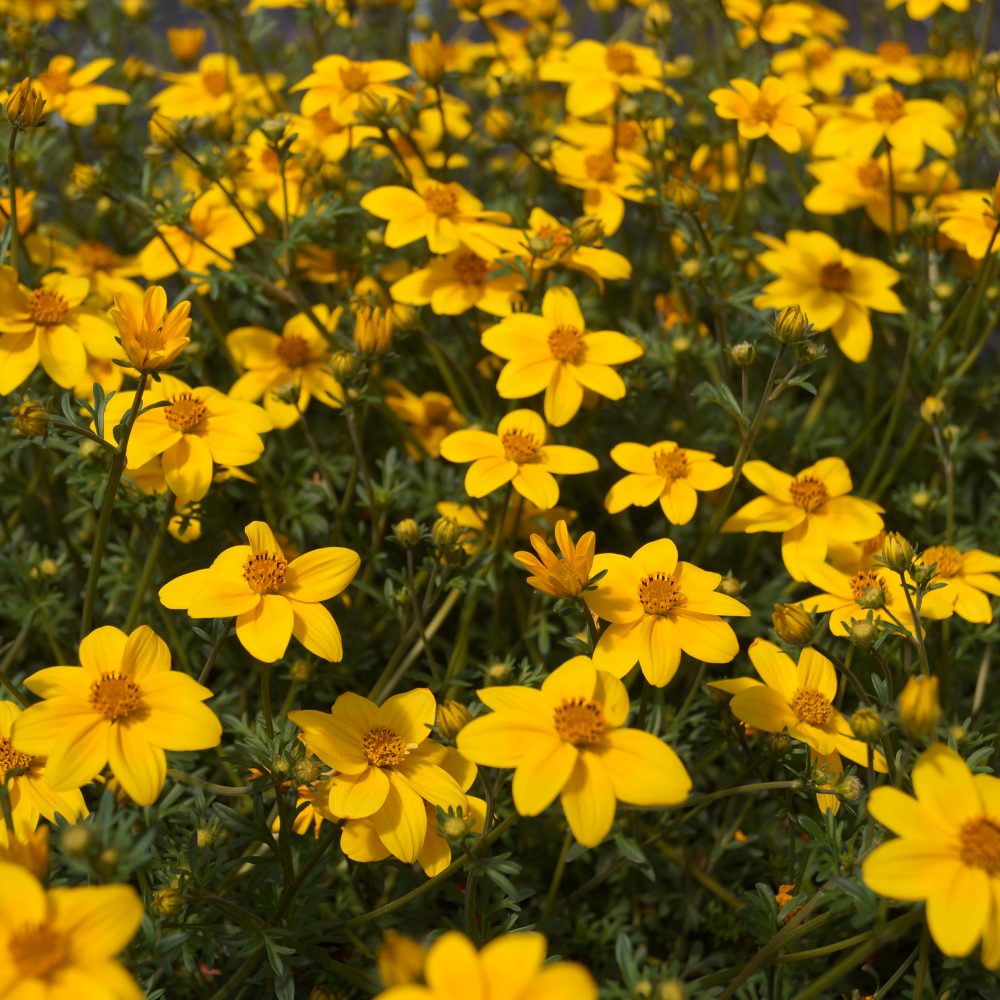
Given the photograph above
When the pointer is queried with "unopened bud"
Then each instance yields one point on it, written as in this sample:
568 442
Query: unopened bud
373 330
690 268
186 43
923 223
850 788
445 533
867 725
791 325
300 671
897 553
76 840
780 744
587 231
863 634
454 827
872 598
428 59
671 990
30 418
24 105
793 624
743 354
656 19
306 771
919 707
164 131
452 718
167 902
343 365
730 586
497 672
684 195
407 532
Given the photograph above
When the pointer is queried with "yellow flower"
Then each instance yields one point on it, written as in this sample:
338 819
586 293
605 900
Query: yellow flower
122 706
774 109
271 598
516 454
339 84
919 706
965 578
297 361
815 65
510 966
777 23
947 851
972 219
659 607
217 87
49 325
386 766
564 577
520 521
23 105
151 336
566 740
72 93
920 10
31 795
893 60
430 417
666 472
555 353
60 944
108 272
809 509
198 427
835 287
399 959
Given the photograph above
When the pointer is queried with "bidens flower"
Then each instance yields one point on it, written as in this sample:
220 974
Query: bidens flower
151 336
271 598
122 706
564 577
774 109
965 579
567 740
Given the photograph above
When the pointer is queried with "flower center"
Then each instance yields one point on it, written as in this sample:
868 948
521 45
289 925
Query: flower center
37 950
980 840
579 721
566 344
383 747
671 464
437 411
659 593
947 558
893 52
47 307
817 54
264 572
441 199
114 696
835 277
889 107
519 446
96 256
11 759
215 82
470 268
293 350
354 77
627 135
812 707
558 241
762 111
870 175
808 493
599 166
185 413
620 59
864 582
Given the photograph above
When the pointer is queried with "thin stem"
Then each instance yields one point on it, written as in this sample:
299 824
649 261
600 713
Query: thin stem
15 236
148 566
557 874
918 983
9 657
265 698
214 652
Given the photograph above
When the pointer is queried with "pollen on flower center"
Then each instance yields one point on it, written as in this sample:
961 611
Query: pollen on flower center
889 107
671 465
812 707
55 81
893 52
947 559
47 307
354 77
808 493
620 59
441 199
579 721
871 175
866 581
96 256
518 446
37 950
659 593
293 350
558 240
835 277
566 344
762 111
185 413
817 55
215 82
599 166
383 747
114 696
980 840
11 759
436 413
470 268
627 135
264 572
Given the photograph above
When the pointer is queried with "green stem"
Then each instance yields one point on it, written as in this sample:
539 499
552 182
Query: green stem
557 874
15 236
265 698
918 983
214 652
9 657
148 566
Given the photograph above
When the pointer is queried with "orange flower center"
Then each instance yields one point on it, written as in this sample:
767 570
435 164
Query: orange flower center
980 839
470 268
215 82
762 111
889 107
96 256
185 413
835 277
627 135
37 950
47 307
436 411
383 747
812 707
817 54
659 593
354 77
871 175
893 52
864 582
579 721
599 166
519 446
11 759
293 350
946 557
671 464
264 572
56 81
566 344
808 493
620 59
441 199
558 240
114 696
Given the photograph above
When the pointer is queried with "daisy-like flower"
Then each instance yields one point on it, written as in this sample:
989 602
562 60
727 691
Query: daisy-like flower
338 84
808 508
516 454
947 851
774 109
198 427
49 325
478 526
151 336
966 578
666 472
430 417
386 766
778 23
508 968
659 607
217 87
554 352
815 65
564 577
122 706
297 360
72 92
835 288
61 944
271 598
566 739
108 272
30 794
920 10
972 219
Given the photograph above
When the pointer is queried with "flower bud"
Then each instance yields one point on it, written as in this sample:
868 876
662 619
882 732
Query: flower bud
399 959
671 990
779 744
849 788
300 671
791 325
872 598
445 533
863 634
923 223
186 43
656 19
168 901
24 105
373 330
730 586
343 365
932 409
793 624
164 131
743 354
76 840
690 268
919 708
685 196
452 718
498 123
587 231
808 351
897 553
867 725
427 59
30 418
454 827
498 672
306 771
407 532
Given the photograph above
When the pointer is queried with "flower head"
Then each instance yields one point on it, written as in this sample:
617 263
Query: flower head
564 577
774 109
965 579
151 336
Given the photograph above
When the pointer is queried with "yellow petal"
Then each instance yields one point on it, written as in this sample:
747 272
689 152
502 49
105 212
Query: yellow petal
588 800
266 629
315 628
542 775
401 823
644 770
320 574
354 796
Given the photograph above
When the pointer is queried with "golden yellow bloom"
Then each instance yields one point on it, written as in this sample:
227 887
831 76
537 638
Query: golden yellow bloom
430 417
893 60
966 579
947 852
271 598
920 10
60 944
972 219
919 706
666 472
186 43
518 454
428 58
23 106
372 330
30 852
774 109
476 527
122 706
777 23
564 577
657 608
815 65
72 93
108 272
152 336
217 87
340 84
